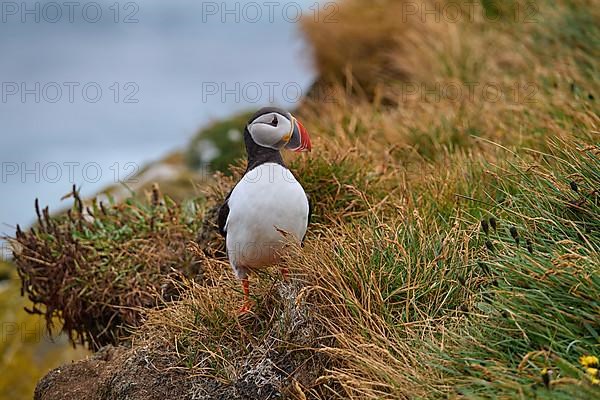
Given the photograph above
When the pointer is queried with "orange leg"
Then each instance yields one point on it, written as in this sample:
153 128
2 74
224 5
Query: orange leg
284 273
246 288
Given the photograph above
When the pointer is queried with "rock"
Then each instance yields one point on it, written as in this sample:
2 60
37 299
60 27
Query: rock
113 373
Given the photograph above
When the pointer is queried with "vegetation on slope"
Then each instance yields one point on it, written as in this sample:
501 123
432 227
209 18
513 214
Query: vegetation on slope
96 267
456 238
216 146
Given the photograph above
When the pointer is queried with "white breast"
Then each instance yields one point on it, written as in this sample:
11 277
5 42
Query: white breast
267 205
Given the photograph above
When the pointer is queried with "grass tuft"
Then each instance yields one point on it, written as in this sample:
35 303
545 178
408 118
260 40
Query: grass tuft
95 267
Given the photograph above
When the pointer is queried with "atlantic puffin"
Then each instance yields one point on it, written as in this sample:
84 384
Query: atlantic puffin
268 207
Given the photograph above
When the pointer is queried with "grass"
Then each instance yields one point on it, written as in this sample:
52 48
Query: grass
95 267
454 249
541 311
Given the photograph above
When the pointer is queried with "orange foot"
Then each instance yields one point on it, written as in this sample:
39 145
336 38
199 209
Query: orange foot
285 272
247 305
245 308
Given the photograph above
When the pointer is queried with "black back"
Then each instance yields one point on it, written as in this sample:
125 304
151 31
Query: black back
223 214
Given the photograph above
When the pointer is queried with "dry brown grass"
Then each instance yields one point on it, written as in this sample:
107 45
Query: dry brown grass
507 76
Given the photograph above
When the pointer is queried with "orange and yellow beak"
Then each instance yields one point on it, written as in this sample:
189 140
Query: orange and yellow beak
299 140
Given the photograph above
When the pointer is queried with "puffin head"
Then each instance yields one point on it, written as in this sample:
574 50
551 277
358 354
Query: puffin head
277 129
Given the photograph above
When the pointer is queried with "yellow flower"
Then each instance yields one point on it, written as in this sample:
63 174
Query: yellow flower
592 371
595 381
589 361
546 376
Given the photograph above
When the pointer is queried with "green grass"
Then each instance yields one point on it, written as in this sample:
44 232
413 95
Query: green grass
544 291
218 134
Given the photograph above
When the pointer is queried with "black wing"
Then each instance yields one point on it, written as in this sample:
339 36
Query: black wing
310 210
222 217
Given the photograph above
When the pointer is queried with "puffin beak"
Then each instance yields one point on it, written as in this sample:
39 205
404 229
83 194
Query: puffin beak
299 141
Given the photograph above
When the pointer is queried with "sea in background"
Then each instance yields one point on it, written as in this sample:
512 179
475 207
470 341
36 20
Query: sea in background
157 66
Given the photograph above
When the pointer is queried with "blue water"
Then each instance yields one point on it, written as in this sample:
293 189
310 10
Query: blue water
156 76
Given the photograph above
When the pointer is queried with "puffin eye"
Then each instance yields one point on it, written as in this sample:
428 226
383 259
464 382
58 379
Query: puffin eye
275 121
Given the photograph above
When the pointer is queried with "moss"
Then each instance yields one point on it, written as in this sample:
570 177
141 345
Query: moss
225 138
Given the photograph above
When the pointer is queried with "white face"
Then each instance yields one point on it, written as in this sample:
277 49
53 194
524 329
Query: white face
271 130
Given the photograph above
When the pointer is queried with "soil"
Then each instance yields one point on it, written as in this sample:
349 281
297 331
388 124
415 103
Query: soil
115 373
119 373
